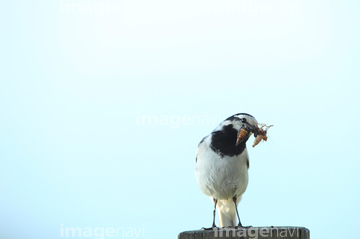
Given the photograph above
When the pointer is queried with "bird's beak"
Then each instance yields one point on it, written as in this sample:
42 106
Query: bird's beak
243 134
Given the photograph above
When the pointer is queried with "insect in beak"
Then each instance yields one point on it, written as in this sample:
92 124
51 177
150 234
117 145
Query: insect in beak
261 134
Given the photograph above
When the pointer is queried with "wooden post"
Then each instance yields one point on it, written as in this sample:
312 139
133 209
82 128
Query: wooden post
249 233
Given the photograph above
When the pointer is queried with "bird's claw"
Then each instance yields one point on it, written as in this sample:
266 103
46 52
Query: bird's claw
209 228
241 226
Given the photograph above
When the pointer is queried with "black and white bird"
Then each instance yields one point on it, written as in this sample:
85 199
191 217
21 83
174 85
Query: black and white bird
222 166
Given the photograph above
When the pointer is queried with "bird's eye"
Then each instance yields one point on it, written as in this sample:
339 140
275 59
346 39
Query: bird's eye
243 120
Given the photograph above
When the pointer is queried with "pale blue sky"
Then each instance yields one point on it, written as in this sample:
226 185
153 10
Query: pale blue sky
77 78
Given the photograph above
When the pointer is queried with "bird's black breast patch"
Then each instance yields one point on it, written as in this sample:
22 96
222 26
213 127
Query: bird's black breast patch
223 142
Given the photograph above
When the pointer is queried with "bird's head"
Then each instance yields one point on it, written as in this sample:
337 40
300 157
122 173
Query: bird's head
244 124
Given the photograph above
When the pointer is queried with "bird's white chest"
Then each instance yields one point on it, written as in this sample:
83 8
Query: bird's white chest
221 177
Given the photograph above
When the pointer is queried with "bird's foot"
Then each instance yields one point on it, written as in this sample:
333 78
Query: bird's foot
241 226
209 228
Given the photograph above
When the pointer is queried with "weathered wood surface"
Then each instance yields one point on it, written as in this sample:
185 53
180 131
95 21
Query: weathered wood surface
249 233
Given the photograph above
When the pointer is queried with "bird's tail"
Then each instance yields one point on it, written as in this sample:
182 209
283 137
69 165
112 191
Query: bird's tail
227 213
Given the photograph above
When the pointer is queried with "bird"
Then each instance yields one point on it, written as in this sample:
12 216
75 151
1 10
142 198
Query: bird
222 164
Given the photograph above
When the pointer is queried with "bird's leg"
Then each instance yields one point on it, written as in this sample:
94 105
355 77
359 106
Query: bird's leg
237 213
215 202
213 225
